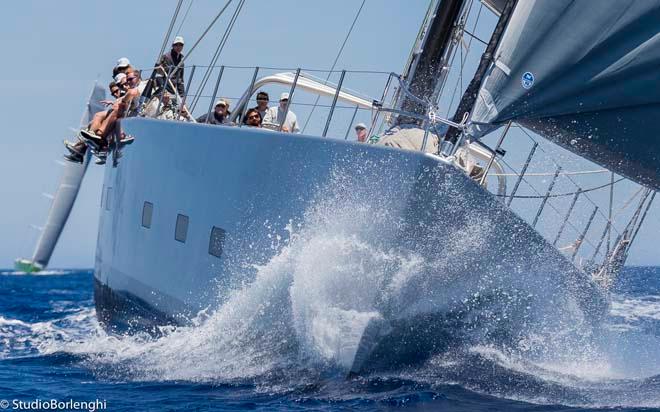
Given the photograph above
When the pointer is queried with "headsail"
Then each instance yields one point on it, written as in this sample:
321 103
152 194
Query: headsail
64 198
584 75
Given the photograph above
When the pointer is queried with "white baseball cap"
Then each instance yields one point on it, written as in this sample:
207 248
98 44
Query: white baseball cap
119 77
177 40
284 96
222 102
123 62
360 126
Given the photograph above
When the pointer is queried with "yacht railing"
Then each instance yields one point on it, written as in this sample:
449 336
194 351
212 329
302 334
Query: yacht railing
566 213
577 234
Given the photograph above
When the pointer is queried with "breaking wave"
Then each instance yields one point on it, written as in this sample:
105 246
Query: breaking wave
296 327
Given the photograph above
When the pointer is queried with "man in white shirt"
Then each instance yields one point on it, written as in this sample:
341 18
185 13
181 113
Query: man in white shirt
275 115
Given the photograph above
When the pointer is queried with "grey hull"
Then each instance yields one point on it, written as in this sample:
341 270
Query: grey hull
474 259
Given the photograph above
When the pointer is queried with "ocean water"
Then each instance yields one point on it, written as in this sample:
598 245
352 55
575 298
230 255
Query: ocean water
52 347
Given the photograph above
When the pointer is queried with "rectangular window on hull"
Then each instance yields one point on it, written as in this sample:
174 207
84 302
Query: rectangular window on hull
108 198
147 213
181 229
217 241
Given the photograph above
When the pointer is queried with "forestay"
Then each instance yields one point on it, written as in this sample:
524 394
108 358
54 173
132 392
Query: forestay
584 74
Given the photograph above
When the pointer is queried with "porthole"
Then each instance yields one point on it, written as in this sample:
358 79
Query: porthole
108 198
147 213
217 241
181 229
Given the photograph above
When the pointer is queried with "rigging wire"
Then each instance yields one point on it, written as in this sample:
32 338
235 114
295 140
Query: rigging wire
563 194
185 15
176 69
467 53
169 30
568 176
568 222
485 43
463 21
341 49
628 203
218 51
584 172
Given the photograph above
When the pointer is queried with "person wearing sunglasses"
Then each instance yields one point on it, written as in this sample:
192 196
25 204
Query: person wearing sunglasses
252 118
122 107
262 103
78 149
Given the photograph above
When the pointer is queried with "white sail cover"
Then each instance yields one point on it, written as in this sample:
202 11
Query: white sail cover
584 74
67 190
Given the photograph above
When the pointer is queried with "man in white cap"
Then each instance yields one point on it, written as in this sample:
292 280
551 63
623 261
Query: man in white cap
122 65
275 115
219 115
169 61
361 132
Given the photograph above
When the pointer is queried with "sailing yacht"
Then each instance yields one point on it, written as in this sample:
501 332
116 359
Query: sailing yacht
190 213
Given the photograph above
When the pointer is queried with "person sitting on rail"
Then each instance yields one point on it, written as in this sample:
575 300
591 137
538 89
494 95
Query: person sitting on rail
120 81
252 118
167 64
125 106
168 110
122 65
262 103
275 116
220 114
163 109
78 149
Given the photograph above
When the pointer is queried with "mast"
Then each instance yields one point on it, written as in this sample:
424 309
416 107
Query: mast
427 65
487 58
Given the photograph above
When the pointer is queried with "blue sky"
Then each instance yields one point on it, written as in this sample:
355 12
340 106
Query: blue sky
54 51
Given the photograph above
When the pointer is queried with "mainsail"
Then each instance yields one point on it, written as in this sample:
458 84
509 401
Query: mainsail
65 196
583 74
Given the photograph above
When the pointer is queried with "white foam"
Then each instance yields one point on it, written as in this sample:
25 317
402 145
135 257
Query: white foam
637 308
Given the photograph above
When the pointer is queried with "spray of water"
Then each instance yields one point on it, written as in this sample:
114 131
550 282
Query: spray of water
305 312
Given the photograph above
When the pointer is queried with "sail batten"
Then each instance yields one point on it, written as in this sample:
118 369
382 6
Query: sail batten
584 75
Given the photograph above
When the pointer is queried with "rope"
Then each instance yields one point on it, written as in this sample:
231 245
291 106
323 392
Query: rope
306 70
566 194
568 222
568 176
218 51
463 21
169 30
176 69
453 95
178 30
586 172
341 49
485 43
628 202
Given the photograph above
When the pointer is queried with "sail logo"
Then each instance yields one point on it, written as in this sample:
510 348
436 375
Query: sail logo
527 80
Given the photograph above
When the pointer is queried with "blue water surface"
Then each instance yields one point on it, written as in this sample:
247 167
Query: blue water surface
51 347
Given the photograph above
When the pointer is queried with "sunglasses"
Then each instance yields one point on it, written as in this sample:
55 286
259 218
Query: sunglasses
261 99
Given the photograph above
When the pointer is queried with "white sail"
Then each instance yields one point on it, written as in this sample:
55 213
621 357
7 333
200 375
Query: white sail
64 197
